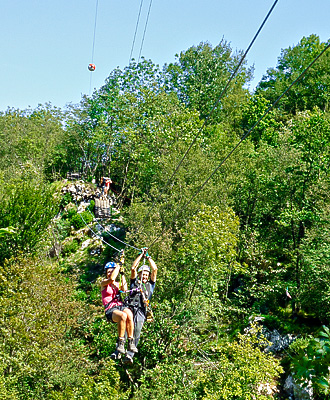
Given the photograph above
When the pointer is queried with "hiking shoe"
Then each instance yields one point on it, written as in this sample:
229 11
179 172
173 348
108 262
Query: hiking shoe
121 345
128 360
131 345
115 355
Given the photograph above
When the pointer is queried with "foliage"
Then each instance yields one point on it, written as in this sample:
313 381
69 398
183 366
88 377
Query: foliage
312 90
231 370
28 205
225 248
63 228
66 199
91 206
38 347
315 277
79 220
265 128
311 363
200 75
70 247
206 256
31 137
7 231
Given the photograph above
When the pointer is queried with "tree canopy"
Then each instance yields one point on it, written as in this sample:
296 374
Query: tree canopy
248 240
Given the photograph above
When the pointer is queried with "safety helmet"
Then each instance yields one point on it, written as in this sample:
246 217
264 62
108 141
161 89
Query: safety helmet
110 264
91 67
144 268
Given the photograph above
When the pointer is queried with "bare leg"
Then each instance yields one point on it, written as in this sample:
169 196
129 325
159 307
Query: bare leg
120 318
129 322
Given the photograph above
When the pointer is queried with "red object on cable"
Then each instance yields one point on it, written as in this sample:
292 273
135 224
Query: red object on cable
91 67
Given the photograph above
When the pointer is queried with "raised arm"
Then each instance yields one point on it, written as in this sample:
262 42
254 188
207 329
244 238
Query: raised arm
136 264
112 277
123 282
153 269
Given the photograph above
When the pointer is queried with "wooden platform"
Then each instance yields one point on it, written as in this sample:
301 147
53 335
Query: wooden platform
102 208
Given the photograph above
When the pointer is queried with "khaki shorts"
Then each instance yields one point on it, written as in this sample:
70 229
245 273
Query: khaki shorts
109 311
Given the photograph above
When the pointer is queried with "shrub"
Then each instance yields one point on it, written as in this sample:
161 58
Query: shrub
79 220
91 206
63 227
311 362
66 199
70 247
233 370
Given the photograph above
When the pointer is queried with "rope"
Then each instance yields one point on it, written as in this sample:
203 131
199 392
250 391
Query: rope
97 3
136 28
90 81
95 234
114 237
208 116
241 140
145 28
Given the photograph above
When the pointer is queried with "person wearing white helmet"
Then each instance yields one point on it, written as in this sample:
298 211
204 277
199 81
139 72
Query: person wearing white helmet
141 288
115 310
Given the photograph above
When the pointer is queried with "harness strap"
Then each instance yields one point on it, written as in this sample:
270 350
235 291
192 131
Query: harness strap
117 297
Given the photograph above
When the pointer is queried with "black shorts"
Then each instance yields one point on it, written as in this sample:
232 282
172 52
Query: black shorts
109 311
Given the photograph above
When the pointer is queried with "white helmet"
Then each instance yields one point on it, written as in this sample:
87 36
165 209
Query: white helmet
144 267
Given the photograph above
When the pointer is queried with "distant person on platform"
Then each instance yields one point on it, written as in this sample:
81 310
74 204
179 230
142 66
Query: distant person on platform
107 184
115 310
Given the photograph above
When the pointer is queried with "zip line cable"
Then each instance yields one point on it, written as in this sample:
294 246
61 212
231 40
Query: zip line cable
93 47
95 234
145 29
242 139
136 28
208 116
113 236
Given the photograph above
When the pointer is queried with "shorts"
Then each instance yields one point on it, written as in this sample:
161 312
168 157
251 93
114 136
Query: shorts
109 311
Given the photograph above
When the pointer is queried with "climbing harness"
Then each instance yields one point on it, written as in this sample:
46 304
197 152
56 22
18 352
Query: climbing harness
137 298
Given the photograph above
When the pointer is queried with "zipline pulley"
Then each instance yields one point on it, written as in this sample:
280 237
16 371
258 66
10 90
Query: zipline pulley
91 67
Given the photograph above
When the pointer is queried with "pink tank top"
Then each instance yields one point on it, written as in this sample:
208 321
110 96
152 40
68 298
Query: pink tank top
109 294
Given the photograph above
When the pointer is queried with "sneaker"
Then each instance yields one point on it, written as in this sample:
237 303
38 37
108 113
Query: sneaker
131 345
115 355
128 360
121 345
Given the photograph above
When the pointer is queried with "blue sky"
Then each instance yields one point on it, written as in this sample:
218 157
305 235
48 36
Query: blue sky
46 45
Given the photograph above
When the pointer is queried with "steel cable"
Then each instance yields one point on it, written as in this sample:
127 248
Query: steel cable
241 140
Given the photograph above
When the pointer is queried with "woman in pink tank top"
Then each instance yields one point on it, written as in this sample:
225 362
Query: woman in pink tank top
115 310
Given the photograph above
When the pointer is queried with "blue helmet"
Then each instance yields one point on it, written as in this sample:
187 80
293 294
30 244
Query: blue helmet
110 264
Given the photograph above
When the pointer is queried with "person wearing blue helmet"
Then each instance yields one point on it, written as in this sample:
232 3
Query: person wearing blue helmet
115 310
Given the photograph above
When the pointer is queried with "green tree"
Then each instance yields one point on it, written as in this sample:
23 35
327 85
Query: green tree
31 136
125 131
206 256
201 73
267 128
312 90
315 272
279 199
28 205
